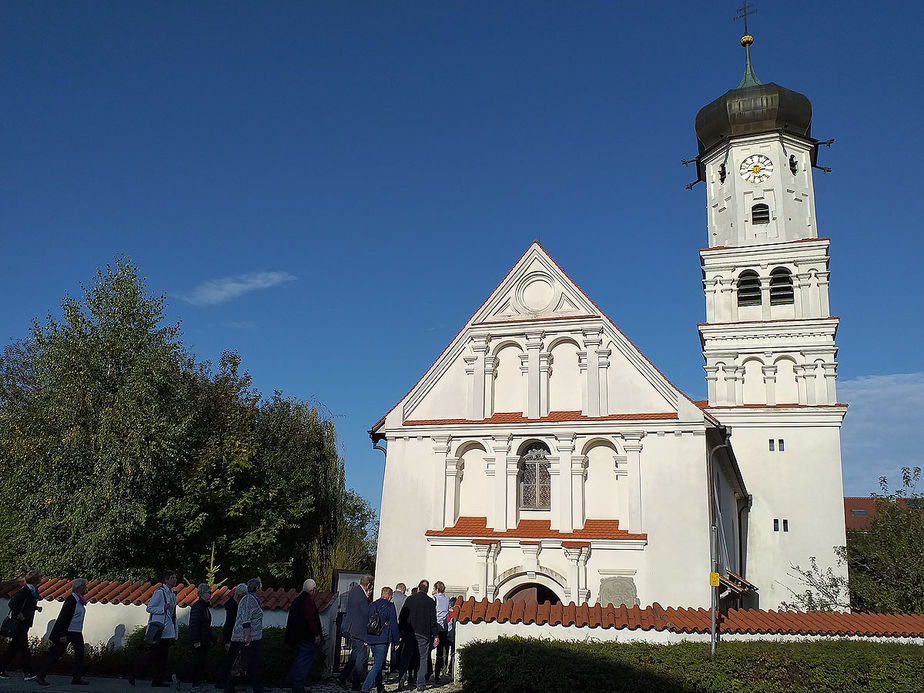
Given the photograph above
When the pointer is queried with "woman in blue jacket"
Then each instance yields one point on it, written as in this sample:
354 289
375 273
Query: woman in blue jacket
387 635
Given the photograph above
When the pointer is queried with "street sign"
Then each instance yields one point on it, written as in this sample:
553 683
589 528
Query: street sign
713 579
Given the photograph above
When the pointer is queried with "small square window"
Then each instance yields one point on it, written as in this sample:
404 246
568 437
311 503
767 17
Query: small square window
771 444
785 525
776 525
779 445
862 513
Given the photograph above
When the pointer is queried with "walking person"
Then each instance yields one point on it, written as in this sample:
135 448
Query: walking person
421 618
23 606
226 631
162 615
442 620
354 627
398 598
200 633
303 632
68 630
382 613
247 636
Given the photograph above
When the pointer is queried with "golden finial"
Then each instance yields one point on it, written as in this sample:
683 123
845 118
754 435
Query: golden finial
747 40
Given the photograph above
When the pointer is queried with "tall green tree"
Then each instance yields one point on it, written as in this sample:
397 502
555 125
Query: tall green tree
120 455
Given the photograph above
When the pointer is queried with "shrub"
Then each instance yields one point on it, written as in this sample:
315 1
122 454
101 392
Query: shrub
525 665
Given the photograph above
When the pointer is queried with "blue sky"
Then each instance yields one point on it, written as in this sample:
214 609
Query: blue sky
332 188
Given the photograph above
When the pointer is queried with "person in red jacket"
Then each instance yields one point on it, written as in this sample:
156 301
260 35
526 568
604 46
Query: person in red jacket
303 632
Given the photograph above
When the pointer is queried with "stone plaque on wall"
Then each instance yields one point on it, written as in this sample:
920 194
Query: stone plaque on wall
618 591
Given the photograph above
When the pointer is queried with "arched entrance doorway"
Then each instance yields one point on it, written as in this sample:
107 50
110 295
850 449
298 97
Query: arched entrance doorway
532 592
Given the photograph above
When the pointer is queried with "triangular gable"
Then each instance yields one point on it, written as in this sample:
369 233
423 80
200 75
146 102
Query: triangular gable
535 289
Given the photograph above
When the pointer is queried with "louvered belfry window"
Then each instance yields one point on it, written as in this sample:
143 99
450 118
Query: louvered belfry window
535 487
781 291
749 289
760 214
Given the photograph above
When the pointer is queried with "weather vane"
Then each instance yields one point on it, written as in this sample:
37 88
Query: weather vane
743 12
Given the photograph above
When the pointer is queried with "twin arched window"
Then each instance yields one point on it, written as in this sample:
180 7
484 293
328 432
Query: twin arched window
781 288
534 483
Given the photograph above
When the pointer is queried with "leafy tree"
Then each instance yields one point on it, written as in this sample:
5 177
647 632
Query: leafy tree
356 541
885 561
120 455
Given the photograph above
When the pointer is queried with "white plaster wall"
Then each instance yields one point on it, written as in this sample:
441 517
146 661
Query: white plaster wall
602 498
109 624
473 489
675 570
801 484
565 391
628 391
509 383
448 396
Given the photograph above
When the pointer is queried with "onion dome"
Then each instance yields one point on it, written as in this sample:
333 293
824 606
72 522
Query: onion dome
752 107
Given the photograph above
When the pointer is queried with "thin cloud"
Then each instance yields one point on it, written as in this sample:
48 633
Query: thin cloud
882 431
217 291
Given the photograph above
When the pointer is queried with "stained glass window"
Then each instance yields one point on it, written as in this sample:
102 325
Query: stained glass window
535 483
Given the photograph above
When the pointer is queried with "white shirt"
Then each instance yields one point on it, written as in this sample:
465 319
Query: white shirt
80 610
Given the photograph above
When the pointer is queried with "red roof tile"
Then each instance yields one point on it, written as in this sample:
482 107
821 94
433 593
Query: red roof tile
681 620
477 528
137 593
517 417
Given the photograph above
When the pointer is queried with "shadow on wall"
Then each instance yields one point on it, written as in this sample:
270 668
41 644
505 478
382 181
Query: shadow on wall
117 639
527 665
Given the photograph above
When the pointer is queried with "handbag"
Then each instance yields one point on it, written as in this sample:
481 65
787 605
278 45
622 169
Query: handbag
239 667
375 625
153 632
8 627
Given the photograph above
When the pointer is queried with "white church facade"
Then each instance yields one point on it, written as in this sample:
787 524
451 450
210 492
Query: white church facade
543 456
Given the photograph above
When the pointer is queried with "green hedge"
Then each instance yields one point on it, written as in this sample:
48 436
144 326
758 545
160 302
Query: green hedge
277 657
526 665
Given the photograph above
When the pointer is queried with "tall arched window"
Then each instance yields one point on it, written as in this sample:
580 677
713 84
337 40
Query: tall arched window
781 291
534 483
749 289
760 214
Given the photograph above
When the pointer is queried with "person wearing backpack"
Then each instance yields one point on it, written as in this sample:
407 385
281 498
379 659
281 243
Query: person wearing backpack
381 631
23 606
303 633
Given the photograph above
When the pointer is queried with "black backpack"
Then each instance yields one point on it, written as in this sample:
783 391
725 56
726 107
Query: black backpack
374 625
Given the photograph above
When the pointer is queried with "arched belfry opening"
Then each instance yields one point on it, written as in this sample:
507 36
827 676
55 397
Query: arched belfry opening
532 592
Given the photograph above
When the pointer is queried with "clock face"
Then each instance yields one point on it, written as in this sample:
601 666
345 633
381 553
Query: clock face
756 168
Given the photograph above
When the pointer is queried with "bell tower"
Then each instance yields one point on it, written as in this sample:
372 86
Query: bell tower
769 336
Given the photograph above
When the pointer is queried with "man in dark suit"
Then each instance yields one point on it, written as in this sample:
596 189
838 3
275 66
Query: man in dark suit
354 627
303 634
68 630
419 613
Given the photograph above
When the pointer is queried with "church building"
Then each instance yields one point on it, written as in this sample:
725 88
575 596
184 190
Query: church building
543 456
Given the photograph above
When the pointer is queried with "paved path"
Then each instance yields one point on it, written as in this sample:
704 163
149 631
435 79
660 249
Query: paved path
62 684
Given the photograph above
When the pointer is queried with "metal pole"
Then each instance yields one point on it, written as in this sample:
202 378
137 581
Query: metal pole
713 590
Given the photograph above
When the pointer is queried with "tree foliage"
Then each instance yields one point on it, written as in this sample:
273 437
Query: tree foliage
885 561
120 455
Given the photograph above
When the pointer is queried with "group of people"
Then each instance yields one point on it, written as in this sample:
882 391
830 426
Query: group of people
241 634
408 626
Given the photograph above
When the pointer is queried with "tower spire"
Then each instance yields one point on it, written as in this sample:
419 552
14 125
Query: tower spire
749 79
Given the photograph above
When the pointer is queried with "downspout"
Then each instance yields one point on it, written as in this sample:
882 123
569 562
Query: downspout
713 557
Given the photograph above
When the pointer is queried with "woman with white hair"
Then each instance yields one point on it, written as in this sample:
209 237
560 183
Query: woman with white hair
68 630
246 636
161 631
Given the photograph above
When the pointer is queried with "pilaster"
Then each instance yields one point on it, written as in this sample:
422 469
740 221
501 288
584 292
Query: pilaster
633 448
479 350
533 348
592 341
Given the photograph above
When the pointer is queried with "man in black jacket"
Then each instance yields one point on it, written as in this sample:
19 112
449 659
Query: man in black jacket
200 633
23 606
303 633
68 629
419 615
226 630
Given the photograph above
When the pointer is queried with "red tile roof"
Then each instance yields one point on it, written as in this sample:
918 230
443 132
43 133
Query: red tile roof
517 417
866 508
656 617
137 593
477 528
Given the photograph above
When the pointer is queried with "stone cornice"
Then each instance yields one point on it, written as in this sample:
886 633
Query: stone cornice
759 416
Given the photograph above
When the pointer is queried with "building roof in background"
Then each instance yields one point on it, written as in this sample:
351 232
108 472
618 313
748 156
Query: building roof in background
858 512
137 593
681 620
